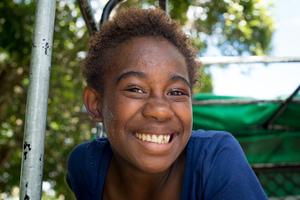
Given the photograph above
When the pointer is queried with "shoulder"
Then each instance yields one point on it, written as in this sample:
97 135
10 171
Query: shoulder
84 163
211 149
210 140
217 155
86 149
211 134
207 147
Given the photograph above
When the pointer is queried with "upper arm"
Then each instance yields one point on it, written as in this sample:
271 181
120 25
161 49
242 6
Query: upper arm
227 172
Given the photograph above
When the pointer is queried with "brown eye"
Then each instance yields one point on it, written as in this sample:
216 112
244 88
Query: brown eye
176 93
135 90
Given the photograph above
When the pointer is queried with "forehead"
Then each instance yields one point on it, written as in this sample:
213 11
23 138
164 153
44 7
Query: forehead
145 53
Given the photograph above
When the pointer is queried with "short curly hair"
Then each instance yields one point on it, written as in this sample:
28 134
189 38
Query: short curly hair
128 24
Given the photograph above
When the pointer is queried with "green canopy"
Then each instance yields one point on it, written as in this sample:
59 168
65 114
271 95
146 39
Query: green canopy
245 117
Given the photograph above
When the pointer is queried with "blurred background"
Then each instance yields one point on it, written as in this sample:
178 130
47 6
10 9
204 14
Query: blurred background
266 81
217 28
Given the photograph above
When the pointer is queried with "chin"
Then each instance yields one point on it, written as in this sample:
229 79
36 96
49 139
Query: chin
154 167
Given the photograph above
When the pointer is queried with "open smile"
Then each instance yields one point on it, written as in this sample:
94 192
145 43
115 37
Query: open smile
158 139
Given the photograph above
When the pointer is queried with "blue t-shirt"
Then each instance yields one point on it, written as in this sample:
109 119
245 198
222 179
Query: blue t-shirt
216 168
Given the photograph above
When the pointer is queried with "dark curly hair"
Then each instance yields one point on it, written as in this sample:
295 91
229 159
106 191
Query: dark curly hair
131 23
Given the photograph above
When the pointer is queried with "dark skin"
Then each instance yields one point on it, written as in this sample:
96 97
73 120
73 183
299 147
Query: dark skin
164 185
147 94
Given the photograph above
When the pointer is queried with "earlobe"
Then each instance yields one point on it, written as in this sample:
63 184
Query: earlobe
91 100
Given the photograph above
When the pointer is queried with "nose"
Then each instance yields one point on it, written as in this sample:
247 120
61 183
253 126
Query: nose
157 109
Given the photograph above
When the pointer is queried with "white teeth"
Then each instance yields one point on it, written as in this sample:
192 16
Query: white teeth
144 137
158 139
148 138
154 138
168 138
165 138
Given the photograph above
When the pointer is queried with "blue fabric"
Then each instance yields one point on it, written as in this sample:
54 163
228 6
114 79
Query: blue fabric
216 168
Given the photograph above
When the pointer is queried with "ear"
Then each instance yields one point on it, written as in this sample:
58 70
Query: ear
91 100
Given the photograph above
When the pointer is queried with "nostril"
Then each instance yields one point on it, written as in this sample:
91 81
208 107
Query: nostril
160 111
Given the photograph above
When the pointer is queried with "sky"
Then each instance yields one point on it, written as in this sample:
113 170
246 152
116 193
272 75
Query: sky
270 81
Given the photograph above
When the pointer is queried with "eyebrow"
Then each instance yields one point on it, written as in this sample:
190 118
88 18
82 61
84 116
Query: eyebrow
143 75
177 77
131 73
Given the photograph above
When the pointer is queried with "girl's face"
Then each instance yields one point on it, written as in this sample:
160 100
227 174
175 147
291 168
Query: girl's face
146 105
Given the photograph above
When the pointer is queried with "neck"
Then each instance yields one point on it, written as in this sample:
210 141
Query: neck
132 183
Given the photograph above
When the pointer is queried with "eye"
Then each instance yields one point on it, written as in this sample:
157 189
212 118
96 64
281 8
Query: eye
135 90
176 93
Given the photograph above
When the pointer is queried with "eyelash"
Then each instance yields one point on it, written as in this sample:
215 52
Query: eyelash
176 93
138 90
135 90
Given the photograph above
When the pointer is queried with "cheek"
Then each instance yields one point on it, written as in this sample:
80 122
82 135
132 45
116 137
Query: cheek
109 121
191 116
109 115
116 114
185 114
110 126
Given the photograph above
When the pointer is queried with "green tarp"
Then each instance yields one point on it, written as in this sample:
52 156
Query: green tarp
280 144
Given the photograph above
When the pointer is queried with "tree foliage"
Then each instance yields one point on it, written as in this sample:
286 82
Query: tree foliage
237 27
64 104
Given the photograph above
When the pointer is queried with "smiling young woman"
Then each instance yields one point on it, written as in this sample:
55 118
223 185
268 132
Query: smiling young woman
140 72
142 99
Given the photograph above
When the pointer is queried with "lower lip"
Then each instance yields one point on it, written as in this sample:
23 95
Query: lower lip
157 148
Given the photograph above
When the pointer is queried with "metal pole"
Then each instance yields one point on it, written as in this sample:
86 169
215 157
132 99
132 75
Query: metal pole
281 108
238 101
37 102
163 4
250 59
88 16
107 9
100 130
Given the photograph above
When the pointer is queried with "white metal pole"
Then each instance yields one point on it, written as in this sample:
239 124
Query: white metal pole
250 59
37 102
